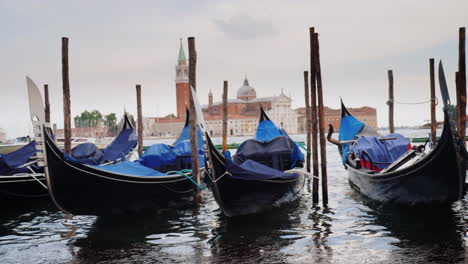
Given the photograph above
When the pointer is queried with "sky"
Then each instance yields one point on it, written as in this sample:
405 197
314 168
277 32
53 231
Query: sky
115 45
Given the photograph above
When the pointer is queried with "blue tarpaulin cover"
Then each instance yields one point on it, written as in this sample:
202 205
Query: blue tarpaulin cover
267 130
265 152
381 151
10 161
158 155
87 153
129 168
252 170
349 128
122 144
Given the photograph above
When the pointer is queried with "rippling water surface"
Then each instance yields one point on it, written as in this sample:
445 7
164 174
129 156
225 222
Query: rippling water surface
351 229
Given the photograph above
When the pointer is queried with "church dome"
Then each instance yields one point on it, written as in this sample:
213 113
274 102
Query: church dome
246 91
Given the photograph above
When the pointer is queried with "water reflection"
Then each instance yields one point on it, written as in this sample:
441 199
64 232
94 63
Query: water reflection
422 234
254 238
351 230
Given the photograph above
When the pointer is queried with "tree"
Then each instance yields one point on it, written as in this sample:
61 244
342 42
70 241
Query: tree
88 119
110 121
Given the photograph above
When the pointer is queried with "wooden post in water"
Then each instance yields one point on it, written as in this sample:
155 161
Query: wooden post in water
46 103
433 103
225 115
461 86
321 124
140 120
313 112
193 115
66 98
390 101
308 118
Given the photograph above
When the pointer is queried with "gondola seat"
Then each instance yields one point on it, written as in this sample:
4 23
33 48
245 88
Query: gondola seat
376 154
88 153
278 153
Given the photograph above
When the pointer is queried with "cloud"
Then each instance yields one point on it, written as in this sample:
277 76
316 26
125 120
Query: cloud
244 26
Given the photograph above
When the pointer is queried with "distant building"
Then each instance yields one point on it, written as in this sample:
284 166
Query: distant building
367 115
243 111
2 135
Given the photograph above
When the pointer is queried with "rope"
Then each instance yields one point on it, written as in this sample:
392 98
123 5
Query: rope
225 173
415 103
185 173
301 145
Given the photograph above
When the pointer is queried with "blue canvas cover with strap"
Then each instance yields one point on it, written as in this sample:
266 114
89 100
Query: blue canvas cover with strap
10 162
349 128
382 152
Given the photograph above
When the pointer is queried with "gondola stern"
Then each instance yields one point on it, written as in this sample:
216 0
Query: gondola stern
263 115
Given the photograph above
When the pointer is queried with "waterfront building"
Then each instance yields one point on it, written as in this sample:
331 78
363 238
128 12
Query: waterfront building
2 135
367 115
243 110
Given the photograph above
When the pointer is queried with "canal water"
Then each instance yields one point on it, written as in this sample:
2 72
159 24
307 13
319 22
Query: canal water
351 229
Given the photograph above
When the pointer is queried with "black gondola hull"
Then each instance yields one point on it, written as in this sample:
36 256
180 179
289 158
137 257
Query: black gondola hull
438 178
24 187
84 190
242 197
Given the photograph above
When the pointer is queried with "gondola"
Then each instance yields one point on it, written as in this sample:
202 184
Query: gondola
266 171
124 187
414 179
22 177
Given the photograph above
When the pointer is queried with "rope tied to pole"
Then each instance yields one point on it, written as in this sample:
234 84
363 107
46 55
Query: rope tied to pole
185 173
301 145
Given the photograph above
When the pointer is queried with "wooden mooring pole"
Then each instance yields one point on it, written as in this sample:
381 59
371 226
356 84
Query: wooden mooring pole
225 114
321 124
390 102
193 115
307 119
461 85
140 120
433 103
313 112
66 98
46 103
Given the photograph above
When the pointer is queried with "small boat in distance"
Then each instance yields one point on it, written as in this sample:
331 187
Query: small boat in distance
266 171
411 178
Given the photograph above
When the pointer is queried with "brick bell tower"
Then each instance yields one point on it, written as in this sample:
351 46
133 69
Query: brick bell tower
182 83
